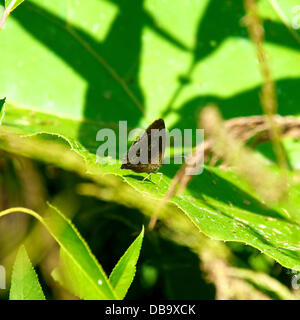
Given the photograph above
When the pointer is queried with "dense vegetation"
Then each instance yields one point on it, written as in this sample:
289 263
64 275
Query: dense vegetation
71 67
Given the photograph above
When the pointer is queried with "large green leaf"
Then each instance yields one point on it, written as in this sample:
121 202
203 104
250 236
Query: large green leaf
24 282
72 68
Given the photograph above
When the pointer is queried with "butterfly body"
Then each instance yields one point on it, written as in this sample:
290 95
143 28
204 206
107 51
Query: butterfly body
148 168
152 144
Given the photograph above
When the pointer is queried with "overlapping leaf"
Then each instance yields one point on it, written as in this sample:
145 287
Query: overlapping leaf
116 61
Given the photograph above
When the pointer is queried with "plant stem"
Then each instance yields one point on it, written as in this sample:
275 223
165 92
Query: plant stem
23 210
6 13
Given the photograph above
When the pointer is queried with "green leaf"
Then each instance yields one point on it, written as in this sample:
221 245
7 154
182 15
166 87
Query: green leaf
124 271
16 3
76 253
24 282
71 277
168 68
90 281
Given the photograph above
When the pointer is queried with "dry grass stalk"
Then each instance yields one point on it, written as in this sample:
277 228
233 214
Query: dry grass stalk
268 93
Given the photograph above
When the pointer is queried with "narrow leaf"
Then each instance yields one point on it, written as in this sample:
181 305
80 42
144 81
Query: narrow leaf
78 255
24 284
124 271
79 270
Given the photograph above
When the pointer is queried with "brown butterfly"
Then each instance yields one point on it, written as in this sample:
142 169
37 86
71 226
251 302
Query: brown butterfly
146 154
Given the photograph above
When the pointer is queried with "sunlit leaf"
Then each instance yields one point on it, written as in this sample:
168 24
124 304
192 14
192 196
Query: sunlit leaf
24 281
70 77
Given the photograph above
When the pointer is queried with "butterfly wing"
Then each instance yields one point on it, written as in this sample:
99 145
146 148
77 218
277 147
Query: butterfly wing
156 141
155 145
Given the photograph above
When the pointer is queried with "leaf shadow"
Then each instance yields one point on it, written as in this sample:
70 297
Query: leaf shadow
138 178
209 185
106 101
288 252
228 15
241 105
113 91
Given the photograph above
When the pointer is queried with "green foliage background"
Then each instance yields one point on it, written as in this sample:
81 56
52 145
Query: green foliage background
70 68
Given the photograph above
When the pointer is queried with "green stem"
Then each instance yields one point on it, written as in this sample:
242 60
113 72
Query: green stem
23 210
6 13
